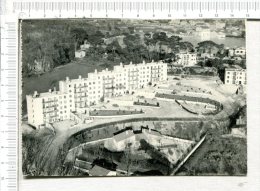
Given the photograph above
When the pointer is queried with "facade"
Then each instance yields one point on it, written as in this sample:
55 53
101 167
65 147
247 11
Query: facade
241 51
46 108
186 59
235 76
80 54
77 95
101 171
131 138
203 32
85 46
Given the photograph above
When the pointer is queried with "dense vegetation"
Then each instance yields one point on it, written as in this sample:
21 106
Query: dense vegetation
47 44
218 156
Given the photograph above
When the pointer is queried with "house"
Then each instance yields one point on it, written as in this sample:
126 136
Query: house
77 95
186 59
80 54
231 52
121 141
241 51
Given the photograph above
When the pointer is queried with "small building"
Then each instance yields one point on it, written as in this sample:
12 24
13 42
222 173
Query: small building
130 137
241 51
203 32
77 95
80 54
100 171
235 76
186 59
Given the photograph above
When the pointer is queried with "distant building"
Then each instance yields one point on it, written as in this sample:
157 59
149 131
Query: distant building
80 54
131 138
235 76
231 52
186 59
220 25
241 51
203 32
76 95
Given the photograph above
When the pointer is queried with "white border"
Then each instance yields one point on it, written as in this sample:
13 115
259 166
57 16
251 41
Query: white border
251 182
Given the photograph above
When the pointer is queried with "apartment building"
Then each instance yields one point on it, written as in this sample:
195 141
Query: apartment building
235 76
77 95
48 107
186 59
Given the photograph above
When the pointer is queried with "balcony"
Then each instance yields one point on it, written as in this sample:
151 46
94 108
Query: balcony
50 101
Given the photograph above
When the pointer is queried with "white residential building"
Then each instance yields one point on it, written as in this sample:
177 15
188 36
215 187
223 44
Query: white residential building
186 59
80 54
241 51
46 108
203 32
235 76
76 95
85 45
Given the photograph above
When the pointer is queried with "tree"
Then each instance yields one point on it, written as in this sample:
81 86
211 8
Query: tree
96 38
79 35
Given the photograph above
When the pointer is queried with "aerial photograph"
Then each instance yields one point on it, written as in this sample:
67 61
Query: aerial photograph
122 97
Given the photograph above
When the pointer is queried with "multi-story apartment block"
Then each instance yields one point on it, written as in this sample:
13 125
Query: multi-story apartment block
235 76
186 59
77 95
47 107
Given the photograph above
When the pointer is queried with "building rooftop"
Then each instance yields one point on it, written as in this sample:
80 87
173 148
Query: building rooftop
50 93
124 135
235 69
